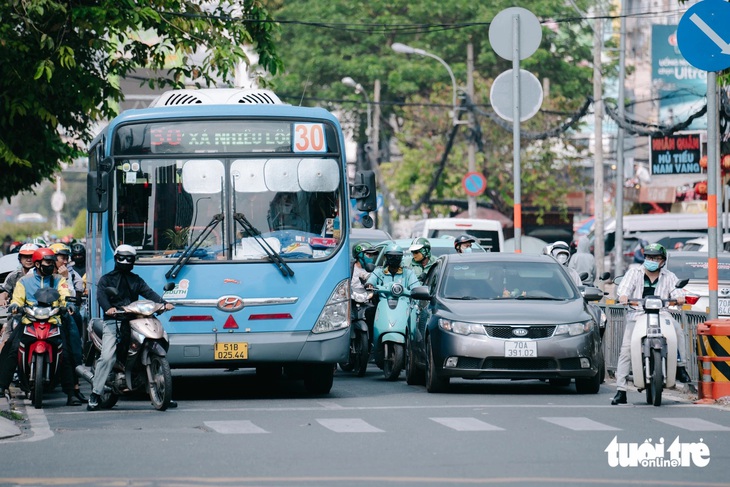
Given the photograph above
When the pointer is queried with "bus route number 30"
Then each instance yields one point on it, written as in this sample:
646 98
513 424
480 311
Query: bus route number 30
231 351
309 137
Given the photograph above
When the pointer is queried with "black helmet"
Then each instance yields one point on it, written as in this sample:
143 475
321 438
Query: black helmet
78 249
463 238
655 249
393 255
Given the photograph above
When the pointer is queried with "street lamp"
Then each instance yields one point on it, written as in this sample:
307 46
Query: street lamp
404 49
372 154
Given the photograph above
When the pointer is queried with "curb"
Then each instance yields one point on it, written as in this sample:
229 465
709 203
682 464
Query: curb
8 428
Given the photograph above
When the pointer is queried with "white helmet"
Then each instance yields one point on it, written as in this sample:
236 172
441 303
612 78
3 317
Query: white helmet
126 250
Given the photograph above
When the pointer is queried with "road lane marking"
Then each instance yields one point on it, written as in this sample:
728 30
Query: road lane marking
580 424
466 424
693 424
243 427
348 425
39 426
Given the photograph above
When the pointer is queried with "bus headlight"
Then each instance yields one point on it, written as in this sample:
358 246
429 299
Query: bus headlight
336 312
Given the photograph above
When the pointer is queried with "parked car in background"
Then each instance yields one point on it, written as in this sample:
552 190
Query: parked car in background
701 244
635 242
693 266
503 316
488 233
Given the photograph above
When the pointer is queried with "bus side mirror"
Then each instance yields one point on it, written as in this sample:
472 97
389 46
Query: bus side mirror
97 187
363 190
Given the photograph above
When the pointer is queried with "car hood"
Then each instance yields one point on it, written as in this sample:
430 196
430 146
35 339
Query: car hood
507 311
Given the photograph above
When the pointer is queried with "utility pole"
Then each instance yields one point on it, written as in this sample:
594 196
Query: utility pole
598 244
619 242
375 156
472 200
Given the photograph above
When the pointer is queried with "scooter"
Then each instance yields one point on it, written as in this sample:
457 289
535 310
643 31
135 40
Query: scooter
654 346
359 339
40 351
145 366
389 328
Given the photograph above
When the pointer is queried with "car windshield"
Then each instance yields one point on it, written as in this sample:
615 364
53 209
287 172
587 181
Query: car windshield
695 267
506 280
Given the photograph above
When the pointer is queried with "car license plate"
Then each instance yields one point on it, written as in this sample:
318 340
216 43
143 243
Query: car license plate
723 306
231 351
520 348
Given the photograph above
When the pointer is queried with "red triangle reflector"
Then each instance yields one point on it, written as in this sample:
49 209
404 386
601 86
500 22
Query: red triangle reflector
230 323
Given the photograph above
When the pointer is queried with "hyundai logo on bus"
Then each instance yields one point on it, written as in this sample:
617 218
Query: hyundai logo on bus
230 303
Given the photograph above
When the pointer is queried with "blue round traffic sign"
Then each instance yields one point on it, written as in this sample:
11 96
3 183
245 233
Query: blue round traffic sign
474 183
703 37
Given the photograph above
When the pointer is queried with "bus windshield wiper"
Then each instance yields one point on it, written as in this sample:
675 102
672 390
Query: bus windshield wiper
256 234
190 249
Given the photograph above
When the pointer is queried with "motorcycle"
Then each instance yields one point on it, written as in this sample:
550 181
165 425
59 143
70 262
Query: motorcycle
40 351
359 339
145 366
654 346
389 328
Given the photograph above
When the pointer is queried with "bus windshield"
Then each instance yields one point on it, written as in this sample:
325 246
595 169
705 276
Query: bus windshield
163 206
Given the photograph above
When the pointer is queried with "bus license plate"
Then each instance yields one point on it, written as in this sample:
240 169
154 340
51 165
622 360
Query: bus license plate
520 349
231 351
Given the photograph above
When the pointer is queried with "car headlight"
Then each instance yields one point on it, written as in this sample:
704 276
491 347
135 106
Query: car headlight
573 329
336 312
462 328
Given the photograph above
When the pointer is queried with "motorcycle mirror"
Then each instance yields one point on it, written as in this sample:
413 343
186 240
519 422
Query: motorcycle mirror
605 276
681 283
583 276
618 279
169 286
369 267
46 296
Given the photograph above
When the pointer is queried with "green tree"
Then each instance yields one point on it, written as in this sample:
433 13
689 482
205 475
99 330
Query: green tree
325 41
61 59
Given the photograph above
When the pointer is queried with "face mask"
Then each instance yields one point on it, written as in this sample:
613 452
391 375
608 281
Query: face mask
366 260
47 270
79 263
466 250
651 265
123 266
562 258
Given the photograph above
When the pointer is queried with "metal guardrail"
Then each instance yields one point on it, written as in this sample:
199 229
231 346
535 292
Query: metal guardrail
613 336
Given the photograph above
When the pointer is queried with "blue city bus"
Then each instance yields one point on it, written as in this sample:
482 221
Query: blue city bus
242 202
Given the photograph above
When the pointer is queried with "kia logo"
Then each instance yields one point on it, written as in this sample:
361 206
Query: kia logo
230 303
519 332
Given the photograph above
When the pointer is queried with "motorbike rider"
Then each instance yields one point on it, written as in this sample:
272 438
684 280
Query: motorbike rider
421 262
43 275
129 287
25 257
651 279
364 261
561 252
463 243
392 271
78 257
582 261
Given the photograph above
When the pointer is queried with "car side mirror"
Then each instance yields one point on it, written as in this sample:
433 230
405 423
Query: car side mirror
420 293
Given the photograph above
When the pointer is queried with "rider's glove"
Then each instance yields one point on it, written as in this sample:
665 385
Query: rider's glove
13 308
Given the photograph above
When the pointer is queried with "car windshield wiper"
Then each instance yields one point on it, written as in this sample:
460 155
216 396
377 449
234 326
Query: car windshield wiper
466 298
190 249
539 298
256 234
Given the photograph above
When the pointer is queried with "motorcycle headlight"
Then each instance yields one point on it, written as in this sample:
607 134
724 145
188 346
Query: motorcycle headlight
462 328
653 303
574 329
336 312
146 308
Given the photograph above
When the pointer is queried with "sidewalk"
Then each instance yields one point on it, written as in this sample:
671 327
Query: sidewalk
8 428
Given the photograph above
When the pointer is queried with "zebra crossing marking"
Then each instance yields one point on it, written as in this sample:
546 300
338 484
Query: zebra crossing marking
243 427
348 425
466 424
580 424
693 424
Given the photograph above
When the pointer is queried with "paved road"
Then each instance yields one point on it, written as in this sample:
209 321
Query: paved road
232 430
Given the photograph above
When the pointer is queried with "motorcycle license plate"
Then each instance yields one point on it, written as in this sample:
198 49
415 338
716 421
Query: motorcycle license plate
231 351
520 349
723 306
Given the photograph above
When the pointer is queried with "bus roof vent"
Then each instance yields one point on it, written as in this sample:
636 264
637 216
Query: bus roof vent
221 96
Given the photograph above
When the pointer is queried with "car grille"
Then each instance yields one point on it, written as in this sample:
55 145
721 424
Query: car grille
520 364
533 331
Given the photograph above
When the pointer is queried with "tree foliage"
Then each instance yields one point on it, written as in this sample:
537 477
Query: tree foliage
321 42
61 60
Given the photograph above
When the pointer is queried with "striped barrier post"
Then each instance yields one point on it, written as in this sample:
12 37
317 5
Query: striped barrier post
713 360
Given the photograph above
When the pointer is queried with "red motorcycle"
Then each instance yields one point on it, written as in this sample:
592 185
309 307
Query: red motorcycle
41 346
